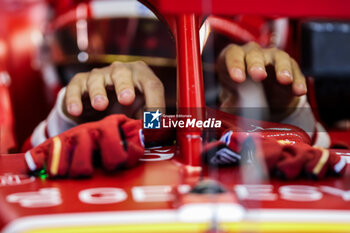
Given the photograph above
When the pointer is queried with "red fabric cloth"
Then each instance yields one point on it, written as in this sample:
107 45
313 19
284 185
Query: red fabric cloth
71 153
282 158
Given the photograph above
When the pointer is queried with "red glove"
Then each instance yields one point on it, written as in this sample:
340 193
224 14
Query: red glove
118 139
309 161
282 158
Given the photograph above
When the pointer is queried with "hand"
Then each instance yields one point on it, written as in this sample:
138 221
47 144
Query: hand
283 81
117 138
278 157
123 78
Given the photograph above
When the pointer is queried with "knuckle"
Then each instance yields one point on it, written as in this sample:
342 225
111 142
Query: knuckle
71 94
74 79
273 50
78 77
140 63
253 44
116 63
72 99
283 63
282 54
73 87
155 84
232 47
255 53
96 92
254 58
237 63
94 82
233 50
121 71
122 84
95 70
91 83
234 56
237 49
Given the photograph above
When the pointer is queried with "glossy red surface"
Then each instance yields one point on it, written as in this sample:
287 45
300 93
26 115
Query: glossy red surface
163 185
7 135
190 92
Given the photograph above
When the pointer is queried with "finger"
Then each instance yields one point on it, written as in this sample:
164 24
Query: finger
337 164
150 85
283 67
131 129
292 162
82 156
36 158
74 91
97 90
234 59
60 156
317 162
255 62
123 83
112 145
299 83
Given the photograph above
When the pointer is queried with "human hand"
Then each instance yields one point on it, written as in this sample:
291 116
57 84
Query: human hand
117 138
276 157
280 74
122 78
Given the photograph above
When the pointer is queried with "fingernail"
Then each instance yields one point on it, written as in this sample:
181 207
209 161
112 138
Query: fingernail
286 74
73 108
237 73
258 68
125 94
257 73
99 100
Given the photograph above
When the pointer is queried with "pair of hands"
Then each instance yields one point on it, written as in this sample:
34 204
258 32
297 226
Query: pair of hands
233 65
